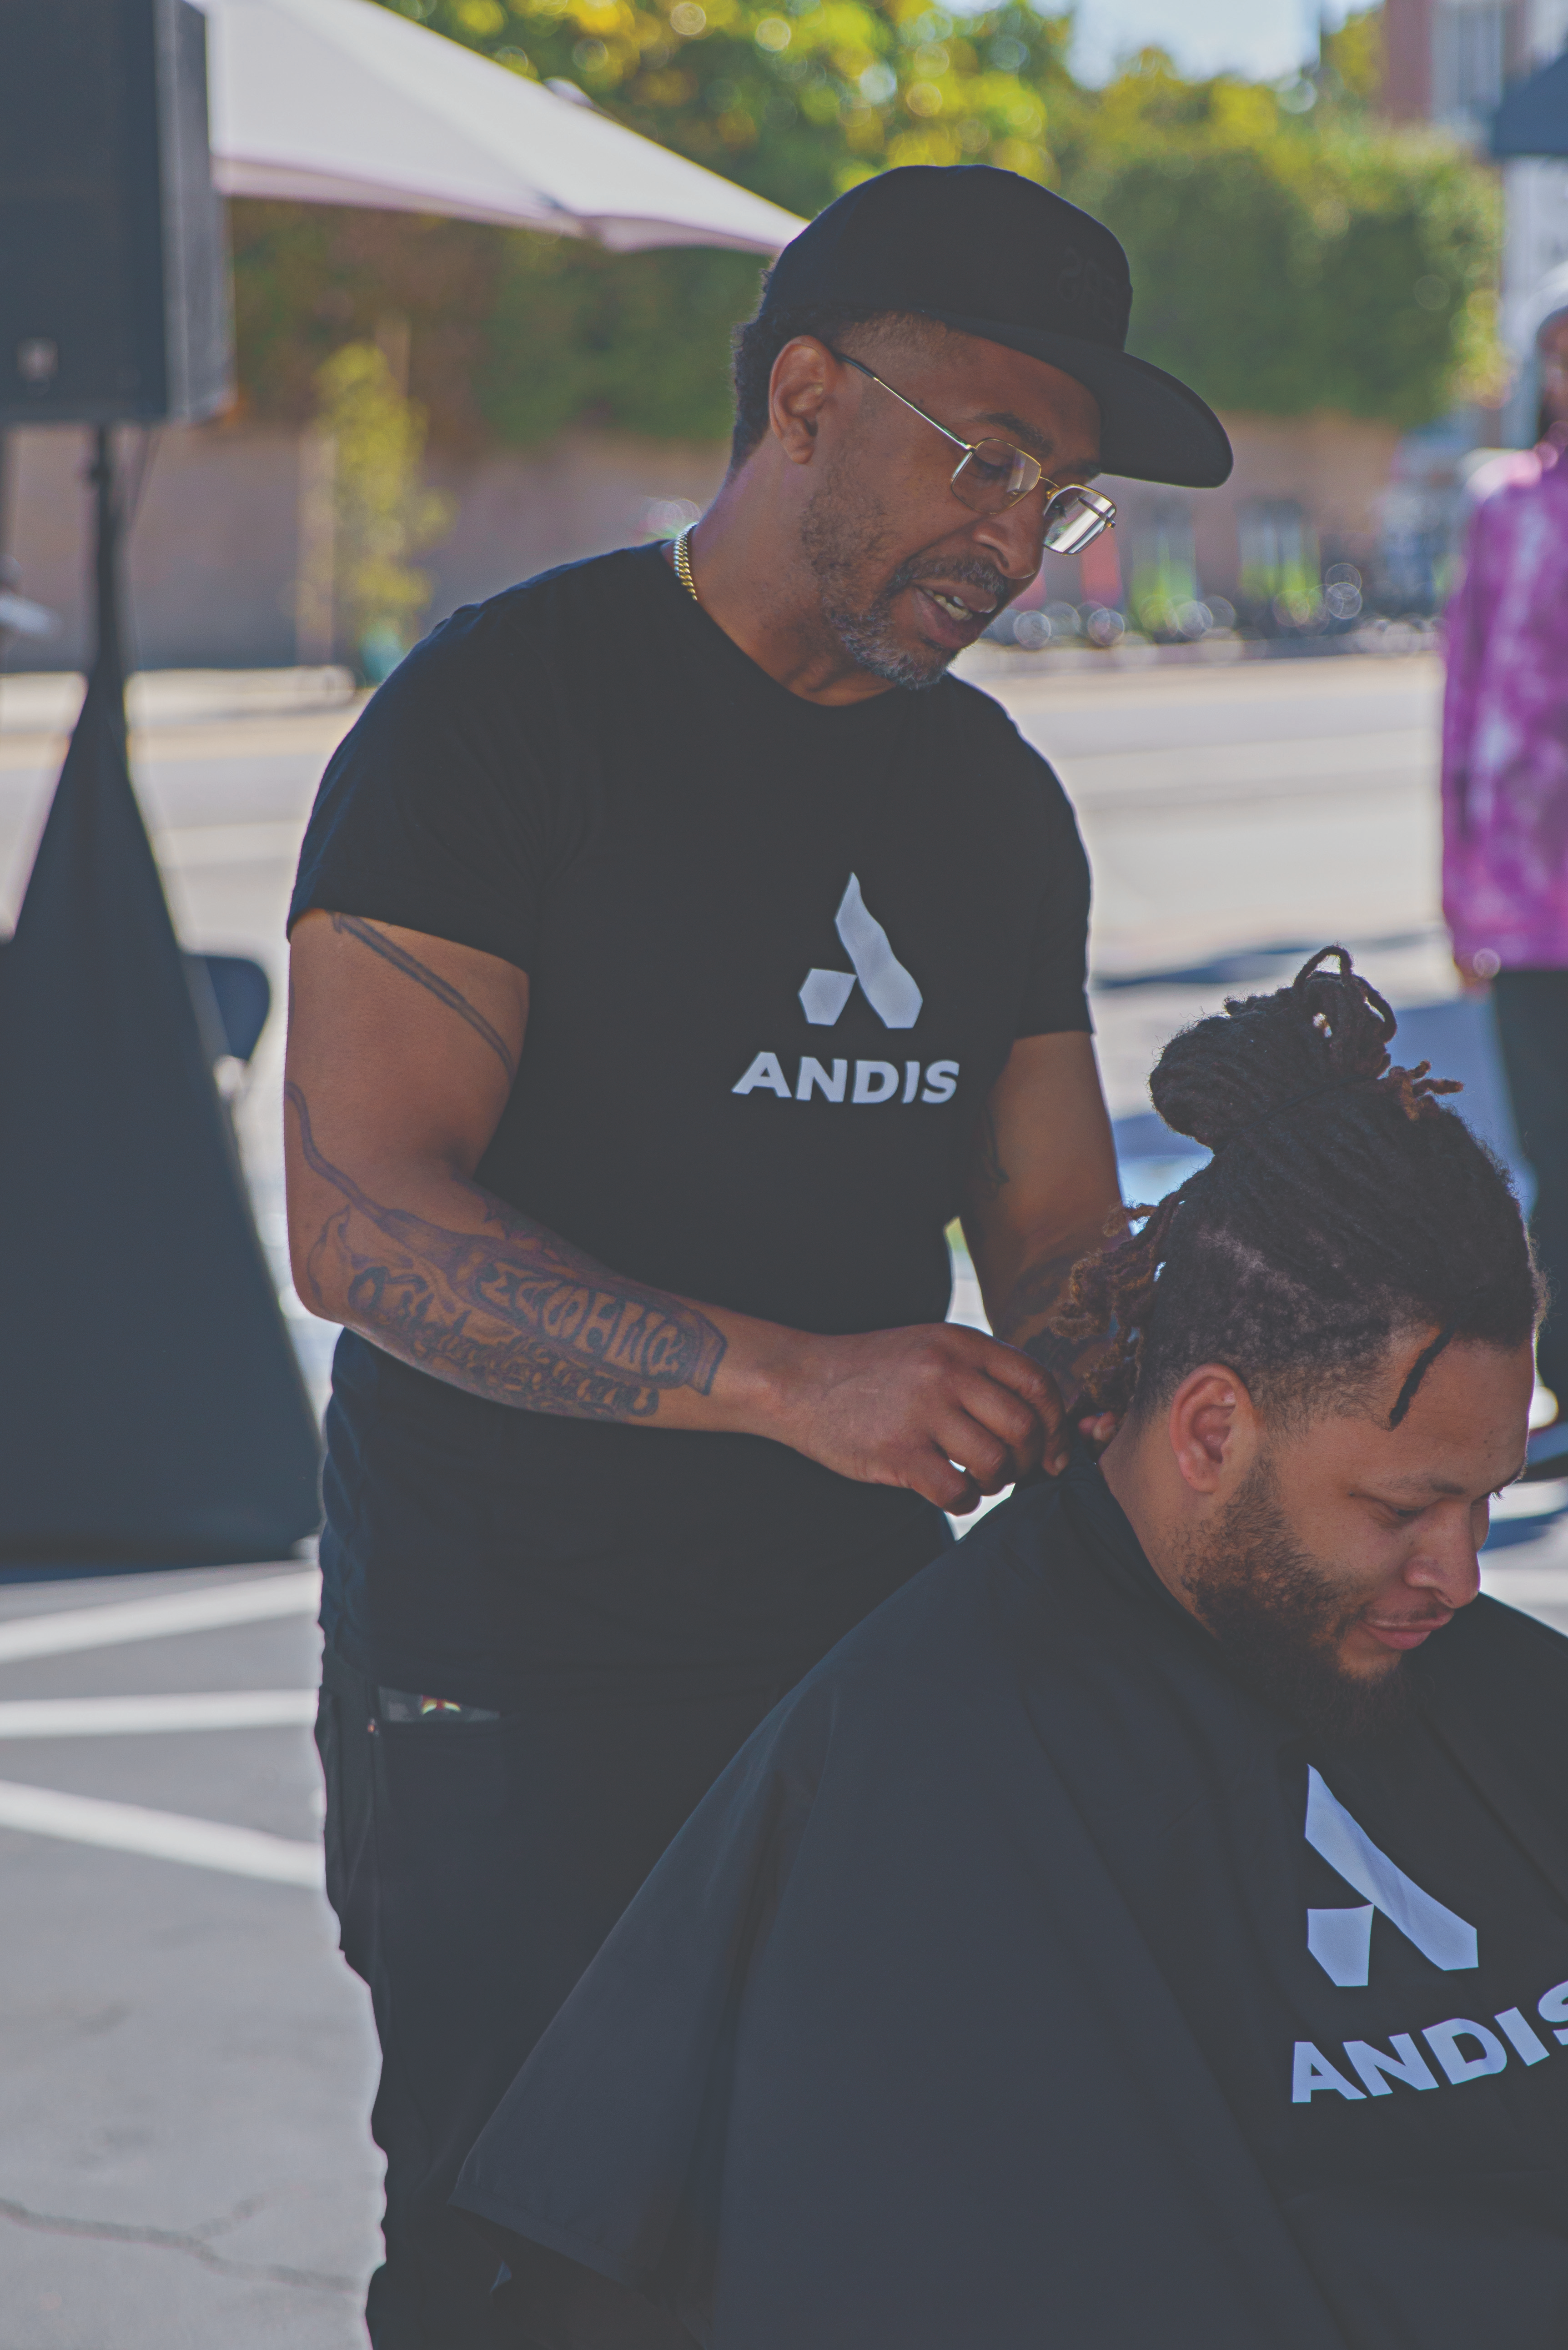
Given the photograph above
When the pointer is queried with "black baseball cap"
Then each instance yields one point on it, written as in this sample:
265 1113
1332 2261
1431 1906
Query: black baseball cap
993 254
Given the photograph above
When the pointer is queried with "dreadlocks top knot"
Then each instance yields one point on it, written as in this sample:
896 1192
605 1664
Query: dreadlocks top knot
1329 1030
1343 1204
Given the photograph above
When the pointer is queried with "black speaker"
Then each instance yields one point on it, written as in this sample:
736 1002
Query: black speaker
114 292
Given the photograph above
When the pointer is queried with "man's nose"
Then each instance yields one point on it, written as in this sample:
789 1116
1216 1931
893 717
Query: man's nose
1015 538
1447 1563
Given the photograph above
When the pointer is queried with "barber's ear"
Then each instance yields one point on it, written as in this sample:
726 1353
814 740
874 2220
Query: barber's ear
801 387
1213 1428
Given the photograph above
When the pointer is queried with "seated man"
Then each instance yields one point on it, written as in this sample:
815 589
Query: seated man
1150 1926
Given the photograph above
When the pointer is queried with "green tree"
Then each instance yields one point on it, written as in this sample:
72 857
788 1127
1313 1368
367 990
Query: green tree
799 99
1288 251
1285 260
796 98
639 341
1352 58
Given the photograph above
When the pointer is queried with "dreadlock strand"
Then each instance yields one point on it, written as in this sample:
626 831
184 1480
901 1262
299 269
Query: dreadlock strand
1114 1296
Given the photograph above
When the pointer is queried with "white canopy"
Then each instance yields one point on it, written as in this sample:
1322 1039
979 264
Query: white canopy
343 102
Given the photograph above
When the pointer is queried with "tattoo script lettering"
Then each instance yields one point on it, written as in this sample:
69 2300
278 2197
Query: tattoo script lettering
351 926
510 1313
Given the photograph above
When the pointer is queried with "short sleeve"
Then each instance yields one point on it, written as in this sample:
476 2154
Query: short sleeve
1055 994
440 810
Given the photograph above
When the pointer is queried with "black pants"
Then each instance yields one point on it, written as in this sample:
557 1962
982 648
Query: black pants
1532 1028
475 1868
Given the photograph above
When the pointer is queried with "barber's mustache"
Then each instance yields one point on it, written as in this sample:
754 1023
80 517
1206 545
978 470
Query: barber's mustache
967 571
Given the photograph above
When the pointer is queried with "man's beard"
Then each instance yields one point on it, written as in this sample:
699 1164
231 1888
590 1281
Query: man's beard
1280 1619
838 545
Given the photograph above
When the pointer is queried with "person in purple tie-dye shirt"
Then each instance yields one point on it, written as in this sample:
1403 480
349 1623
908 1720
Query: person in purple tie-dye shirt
1505 799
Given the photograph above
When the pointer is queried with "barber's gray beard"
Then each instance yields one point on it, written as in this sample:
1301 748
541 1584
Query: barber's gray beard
869 635
1280 1620
869 639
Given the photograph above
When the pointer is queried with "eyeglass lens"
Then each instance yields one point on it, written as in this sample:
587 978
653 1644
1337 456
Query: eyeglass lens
995 475
1075 516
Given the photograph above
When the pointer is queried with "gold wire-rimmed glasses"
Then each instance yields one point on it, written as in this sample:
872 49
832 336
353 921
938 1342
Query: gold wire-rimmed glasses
993 475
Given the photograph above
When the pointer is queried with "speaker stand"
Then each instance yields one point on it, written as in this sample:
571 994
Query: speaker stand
107 677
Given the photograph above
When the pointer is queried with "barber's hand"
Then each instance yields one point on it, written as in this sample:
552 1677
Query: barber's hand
941 1409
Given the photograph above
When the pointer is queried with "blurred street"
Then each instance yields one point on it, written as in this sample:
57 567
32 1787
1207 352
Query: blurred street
186 2161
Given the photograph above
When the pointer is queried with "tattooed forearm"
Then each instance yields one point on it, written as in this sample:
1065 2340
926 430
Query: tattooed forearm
1031 1299
351 926
510 1312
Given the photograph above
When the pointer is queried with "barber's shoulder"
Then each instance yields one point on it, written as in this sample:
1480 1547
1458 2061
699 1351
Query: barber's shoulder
992 741
576 605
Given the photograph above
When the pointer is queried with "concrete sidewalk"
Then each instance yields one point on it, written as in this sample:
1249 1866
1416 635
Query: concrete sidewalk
188 2065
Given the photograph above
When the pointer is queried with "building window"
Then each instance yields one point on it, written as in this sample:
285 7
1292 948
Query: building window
1164 570
1279 573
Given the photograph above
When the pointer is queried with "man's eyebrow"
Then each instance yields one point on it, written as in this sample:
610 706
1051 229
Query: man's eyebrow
1031 437
1435 1489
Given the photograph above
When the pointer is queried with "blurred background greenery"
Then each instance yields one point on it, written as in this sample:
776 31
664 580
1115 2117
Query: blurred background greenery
1359 260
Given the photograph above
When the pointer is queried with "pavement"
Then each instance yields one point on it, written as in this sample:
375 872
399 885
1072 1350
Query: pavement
187 2063
184 2160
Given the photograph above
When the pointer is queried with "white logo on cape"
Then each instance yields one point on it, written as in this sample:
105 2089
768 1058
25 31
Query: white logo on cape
1341 1939
890 989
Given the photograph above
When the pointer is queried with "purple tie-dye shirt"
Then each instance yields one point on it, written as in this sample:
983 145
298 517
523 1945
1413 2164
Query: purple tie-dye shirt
1505 722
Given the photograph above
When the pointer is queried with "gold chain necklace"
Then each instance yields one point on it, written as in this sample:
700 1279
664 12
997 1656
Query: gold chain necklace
683 565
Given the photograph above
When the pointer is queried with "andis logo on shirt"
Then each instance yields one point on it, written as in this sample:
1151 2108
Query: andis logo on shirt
1341 1943
896 999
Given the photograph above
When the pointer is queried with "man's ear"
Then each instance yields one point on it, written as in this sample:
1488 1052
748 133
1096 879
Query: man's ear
805 377
1213 1428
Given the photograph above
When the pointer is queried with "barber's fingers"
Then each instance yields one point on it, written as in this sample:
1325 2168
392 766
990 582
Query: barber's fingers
993 1464
1020 1428
1011 1369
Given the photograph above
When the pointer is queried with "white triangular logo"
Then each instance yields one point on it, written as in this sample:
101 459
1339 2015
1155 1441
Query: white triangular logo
890 989
1341 1939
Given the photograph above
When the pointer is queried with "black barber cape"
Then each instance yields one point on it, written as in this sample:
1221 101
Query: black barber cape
1027 1983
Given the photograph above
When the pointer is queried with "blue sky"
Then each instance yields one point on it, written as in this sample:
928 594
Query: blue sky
1259 37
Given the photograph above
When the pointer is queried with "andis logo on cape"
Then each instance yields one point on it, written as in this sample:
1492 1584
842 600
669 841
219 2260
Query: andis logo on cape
893 996
1341 1943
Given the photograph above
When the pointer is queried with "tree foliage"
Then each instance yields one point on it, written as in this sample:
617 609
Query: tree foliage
1289 257
577 332
1288 251
796 98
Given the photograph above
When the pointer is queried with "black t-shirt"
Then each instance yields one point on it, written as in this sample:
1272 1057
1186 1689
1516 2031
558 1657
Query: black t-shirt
777 955
1034 1981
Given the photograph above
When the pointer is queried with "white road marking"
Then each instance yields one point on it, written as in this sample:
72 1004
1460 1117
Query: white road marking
214 1604
105 1716
163 1836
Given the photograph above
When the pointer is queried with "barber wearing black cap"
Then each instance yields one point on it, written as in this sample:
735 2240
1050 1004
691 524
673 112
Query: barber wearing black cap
677 949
